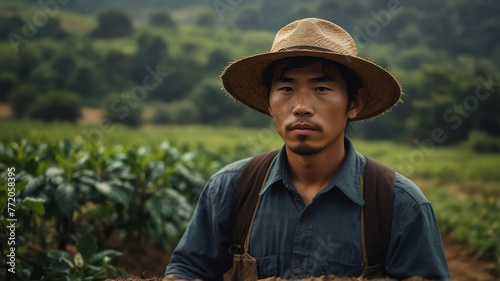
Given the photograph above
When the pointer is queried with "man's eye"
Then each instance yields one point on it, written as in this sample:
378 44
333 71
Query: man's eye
286 89
322 89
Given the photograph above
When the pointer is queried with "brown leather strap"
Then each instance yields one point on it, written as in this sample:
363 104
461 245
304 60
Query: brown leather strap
378 193
246 197
249 231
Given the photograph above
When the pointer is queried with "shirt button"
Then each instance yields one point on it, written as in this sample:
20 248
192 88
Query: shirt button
297 263
304 219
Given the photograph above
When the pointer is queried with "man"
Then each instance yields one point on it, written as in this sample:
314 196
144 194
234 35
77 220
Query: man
312 83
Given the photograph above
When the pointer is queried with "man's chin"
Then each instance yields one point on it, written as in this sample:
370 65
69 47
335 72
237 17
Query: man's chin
304 149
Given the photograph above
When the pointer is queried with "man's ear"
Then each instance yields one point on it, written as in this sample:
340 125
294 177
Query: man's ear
357 103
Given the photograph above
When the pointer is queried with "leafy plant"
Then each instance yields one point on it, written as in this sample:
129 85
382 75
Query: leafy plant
471 219
24 211
86 264
73 194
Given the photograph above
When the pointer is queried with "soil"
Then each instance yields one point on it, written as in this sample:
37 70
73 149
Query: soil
465 266
91 115
5 110
462 262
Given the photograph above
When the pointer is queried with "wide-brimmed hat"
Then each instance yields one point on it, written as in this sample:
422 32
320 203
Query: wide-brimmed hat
313 37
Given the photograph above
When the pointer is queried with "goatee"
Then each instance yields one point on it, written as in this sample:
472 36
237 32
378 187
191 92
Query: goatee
304 149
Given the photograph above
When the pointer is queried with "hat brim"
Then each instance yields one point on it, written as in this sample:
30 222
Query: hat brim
243 80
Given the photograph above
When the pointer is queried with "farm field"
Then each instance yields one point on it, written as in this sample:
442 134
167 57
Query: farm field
93 199
99 172
455 164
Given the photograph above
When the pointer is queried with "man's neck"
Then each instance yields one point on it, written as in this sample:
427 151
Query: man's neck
311 173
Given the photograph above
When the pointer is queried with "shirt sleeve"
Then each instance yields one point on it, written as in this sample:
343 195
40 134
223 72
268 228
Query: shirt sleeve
202 251
416 248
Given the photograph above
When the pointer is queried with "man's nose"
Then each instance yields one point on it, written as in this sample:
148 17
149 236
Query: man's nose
303 106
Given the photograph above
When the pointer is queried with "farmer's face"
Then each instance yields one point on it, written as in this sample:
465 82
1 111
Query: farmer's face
308 107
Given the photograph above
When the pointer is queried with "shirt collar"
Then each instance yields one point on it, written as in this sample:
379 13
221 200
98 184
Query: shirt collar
346 179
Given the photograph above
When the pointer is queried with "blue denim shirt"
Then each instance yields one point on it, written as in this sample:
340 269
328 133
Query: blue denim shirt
295 241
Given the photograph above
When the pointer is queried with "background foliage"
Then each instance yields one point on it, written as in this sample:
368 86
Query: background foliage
442 52
74 198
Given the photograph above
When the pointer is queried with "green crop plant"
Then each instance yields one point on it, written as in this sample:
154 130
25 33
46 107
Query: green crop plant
139 195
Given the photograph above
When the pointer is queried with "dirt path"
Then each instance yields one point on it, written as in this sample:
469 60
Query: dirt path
464 266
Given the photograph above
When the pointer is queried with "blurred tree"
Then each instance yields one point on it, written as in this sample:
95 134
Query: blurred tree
8 81
84 82
250 118
64 66
115 70
387 126
56 105
123 109
151 48
112 24
151 51
175 86
52 29
44 76
190 48
214 106
207 19
86 50
474 22
348 14
27 63
177 112
21 98
249 18
162 19
456 98
217 60
10 24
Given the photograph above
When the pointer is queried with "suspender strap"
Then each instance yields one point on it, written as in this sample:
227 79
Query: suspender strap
377 187
246 197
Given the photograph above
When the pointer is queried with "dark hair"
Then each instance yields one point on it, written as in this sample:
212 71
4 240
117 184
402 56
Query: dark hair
352 81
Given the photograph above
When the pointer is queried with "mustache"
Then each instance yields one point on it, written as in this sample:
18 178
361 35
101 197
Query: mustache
304 120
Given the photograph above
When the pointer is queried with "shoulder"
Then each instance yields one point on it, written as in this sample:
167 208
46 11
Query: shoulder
218 193
231 170
410 204
406 190
226 179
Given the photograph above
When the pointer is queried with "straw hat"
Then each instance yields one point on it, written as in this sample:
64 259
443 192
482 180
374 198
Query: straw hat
243 80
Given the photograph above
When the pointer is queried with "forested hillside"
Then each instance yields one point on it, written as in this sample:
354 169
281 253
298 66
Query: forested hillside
158 61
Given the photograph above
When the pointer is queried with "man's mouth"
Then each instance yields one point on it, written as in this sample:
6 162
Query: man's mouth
302 126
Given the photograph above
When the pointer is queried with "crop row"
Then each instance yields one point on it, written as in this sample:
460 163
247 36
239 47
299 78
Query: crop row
68 195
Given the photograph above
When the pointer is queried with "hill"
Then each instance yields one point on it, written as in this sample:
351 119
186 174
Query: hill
104 51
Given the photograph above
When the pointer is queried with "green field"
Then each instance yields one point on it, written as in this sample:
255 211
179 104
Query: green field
175 161
453 163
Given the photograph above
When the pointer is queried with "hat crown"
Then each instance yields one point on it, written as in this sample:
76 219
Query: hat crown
314 33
